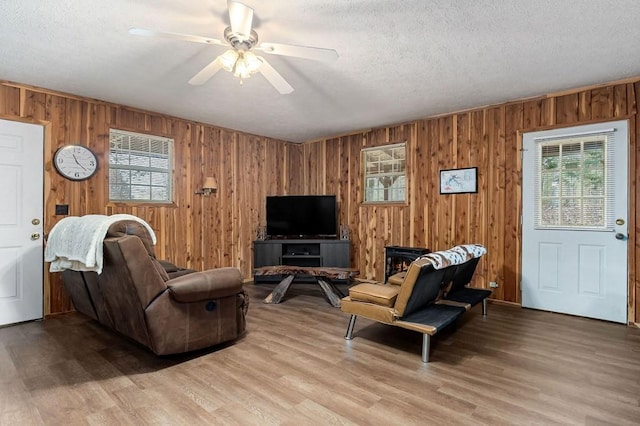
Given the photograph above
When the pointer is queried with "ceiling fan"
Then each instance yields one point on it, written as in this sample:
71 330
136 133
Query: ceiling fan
242 40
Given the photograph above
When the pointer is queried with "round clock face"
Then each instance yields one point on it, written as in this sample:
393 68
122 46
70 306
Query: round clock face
75 162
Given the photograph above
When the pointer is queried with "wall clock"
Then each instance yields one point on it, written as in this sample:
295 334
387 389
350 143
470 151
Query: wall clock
75 162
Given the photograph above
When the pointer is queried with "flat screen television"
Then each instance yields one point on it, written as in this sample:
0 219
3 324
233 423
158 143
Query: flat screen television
296 216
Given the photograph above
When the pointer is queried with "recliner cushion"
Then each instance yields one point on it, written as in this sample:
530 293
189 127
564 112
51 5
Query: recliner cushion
397 279
368 310
383 295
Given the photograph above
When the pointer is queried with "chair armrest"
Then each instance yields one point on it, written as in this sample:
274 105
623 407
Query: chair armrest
206 285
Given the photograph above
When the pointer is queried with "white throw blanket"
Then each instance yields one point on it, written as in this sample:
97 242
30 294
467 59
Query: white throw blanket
76 242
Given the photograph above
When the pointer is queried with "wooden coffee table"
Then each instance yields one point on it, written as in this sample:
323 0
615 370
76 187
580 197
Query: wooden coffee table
322 275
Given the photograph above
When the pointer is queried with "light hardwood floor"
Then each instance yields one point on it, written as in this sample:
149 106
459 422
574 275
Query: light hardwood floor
294 367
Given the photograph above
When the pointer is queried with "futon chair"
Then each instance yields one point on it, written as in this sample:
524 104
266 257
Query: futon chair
416 299
163 307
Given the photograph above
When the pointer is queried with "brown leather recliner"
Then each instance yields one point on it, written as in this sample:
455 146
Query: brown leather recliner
165 308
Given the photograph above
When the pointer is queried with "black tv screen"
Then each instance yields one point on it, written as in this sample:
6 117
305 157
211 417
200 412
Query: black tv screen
302 216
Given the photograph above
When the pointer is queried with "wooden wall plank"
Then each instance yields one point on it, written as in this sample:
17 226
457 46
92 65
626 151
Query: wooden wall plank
602 103
463 159
211 246
9 101
419 188
631 100
532 111
567 108
295 174
344 184
445 160
548 112
584 106
494 142
620 108
352 200
199 170
33 104
514 118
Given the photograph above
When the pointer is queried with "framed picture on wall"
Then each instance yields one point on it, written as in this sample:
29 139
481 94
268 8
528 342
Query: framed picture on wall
459 181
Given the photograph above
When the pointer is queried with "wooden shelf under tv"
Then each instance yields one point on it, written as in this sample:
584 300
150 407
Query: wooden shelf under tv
299 252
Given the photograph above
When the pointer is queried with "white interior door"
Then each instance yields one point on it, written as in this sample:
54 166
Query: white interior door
21 214
574 222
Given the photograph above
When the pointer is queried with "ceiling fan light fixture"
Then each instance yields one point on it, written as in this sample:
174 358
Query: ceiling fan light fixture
247 64
228 60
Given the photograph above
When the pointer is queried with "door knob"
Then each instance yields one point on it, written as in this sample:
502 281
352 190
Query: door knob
35 236
620 236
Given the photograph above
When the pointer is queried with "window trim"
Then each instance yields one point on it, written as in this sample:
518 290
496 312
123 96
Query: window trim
364 175
170 170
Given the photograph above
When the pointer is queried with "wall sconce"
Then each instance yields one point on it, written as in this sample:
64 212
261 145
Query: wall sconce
210 186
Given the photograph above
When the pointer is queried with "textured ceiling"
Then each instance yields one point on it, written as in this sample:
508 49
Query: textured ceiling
399 60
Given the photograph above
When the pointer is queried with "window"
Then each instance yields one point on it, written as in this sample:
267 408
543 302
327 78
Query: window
139 167
385 173
573 182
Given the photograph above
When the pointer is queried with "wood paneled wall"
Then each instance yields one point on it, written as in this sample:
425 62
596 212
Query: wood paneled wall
205 232
489 138
195 231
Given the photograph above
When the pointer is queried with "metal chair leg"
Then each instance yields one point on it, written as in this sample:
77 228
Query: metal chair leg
426 340
484 307
352 322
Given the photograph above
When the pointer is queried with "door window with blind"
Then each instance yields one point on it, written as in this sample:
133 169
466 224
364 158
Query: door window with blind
574 182
140 167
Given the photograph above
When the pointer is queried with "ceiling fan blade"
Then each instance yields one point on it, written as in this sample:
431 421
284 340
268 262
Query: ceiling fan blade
241 17
175 36
316 53
206 73
274 77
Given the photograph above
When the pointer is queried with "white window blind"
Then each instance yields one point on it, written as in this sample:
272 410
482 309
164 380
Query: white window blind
139 167
574 181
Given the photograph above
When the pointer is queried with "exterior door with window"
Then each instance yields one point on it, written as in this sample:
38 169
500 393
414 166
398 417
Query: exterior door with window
574 243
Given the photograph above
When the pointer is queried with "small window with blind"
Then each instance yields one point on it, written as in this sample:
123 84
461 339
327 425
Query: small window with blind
385 177
574 183
140 167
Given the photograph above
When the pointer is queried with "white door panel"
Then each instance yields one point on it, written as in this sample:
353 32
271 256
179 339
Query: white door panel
576 270
21 216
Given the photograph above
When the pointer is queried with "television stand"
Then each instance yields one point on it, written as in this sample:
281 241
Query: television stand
326 253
